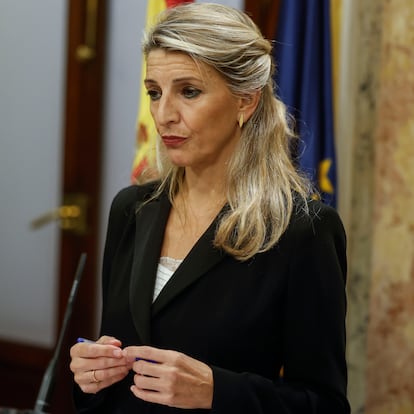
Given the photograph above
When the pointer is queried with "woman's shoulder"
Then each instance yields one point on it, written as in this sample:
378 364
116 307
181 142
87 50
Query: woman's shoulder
313 218
127 199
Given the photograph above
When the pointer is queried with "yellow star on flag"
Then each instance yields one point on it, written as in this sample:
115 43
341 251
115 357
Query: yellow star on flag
324 182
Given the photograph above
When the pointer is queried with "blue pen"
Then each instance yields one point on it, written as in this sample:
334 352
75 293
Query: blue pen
87 341
144 359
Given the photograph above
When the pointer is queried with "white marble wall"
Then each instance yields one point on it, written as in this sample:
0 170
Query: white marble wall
376 138
361 37
390 345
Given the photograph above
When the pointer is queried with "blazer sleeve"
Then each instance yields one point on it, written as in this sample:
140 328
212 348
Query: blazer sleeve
315 373
120 216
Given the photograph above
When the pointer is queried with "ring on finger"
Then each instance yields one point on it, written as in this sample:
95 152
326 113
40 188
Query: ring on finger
94 376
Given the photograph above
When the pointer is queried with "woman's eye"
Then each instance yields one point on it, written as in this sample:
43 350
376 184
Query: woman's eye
191 92
153 94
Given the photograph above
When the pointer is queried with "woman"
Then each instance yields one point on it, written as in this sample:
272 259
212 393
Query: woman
223 285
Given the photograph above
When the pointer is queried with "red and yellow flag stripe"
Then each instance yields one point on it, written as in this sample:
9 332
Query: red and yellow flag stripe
146 134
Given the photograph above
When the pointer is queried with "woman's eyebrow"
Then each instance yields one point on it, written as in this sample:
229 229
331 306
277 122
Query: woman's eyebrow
177 80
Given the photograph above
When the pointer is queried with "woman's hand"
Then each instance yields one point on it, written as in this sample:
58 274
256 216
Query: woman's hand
97 365
170 378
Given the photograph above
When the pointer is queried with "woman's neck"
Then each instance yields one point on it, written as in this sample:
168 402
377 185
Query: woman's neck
204 195
194 208
204 185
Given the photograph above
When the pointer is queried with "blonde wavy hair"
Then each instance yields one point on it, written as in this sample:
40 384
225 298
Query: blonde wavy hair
262 184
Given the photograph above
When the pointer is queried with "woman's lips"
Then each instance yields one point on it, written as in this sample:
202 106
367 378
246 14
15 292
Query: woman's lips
172 140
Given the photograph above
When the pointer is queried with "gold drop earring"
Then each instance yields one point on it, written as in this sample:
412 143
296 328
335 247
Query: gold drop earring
241 120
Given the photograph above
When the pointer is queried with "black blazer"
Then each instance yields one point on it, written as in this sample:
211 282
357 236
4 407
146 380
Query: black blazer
246 320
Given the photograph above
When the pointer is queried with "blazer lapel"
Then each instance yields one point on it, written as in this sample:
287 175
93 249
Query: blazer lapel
202 257
150 224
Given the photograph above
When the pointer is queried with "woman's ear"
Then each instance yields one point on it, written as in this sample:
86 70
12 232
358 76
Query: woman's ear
248 104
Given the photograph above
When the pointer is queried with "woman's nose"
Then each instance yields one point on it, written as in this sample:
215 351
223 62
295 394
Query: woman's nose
166 112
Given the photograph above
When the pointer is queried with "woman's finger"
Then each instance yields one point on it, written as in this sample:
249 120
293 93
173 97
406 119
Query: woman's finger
93 381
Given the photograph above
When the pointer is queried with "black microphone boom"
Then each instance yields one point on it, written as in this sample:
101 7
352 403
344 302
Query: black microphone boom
49 377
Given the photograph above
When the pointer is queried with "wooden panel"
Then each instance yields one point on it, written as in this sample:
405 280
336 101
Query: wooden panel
21 372
265 14
81 174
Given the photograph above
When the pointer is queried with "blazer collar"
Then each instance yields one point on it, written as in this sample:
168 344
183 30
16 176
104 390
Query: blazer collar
151 220
202 257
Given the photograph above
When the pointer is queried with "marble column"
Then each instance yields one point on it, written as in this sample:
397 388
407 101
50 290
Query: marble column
376 160
390 339
357 116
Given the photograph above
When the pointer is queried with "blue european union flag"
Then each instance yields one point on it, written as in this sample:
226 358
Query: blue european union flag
304 79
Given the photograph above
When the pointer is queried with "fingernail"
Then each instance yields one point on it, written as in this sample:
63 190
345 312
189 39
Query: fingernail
117 353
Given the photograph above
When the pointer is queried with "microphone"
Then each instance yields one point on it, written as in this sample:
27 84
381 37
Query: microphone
49 377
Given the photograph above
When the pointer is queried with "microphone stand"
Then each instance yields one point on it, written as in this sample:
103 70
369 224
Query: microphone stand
49 377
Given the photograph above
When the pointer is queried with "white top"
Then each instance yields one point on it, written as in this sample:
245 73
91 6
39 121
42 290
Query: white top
166 268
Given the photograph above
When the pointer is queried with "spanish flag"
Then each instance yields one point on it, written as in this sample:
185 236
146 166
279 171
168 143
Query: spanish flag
146 134
306 57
